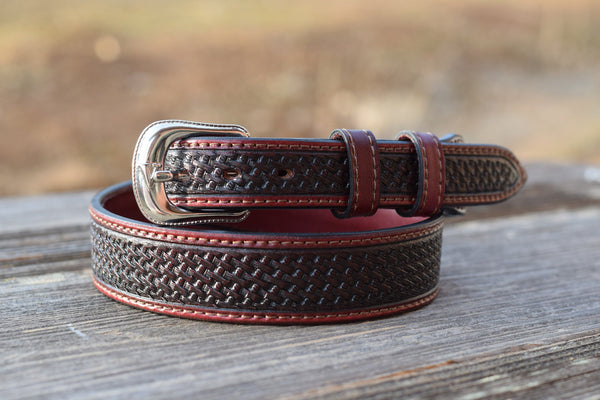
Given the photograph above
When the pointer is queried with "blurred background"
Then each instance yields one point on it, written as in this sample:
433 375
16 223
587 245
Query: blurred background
80 80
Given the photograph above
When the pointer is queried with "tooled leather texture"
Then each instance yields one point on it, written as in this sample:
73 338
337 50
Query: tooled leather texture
282 280
474 174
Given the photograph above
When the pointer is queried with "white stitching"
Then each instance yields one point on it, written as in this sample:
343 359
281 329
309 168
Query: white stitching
375 169
180 200
417 234
193 144
356 194
396 148
425 177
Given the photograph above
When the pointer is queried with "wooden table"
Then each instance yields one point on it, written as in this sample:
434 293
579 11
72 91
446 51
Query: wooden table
518 315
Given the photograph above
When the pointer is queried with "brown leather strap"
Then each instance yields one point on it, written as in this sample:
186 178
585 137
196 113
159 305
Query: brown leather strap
363 161
251 173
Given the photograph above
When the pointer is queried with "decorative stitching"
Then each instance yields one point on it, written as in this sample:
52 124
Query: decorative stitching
416 234
246 316
202 144
479 151
245 201
355 195
391 199
385 199
425 176
400 148
484 198
375 174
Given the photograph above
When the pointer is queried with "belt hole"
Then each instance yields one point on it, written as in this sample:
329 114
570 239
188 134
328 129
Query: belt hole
285 173
232 174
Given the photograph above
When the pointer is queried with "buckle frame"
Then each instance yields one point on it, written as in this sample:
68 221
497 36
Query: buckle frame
149 176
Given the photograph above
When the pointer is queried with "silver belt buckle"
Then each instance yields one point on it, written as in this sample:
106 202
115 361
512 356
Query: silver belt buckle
149 175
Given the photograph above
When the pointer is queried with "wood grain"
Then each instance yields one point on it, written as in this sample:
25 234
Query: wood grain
518 316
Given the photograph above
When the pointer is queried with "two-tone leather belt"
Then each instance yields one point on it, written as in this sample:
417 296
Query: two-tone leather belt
219 226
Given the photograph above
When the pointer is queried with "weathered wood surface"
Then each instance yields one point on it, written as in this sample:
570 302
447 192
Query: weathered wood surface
518 315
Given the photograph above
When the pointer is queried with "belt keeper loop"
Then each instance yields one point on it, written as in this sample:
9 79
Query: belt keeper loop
363 162
432 174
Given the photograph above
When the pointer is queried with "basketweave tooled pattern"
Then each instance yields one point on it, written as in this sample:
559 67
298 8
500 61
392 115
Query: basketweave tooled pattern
258 173
326 173
290 280
399 174
479 175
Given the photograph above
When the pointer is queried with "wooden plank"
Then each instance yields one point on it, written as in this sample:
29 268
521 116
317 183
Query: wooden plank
44 234
518 315
533 372
44 250
23 215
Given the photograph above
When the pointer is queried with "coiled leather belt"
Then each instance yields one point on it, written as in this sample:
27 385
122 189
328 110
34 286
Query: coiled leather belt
219 226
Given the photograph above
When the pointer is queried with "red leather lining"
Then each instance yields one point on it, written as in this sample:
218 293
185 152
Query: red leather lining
282 220
319 221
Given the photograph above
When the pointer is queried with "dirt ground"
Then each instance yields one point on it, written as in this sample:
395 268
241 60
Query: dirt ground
80 80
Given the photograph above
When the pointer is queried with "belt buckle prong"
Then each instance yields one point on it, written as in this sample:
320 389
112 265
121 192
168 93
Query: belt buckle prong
149 175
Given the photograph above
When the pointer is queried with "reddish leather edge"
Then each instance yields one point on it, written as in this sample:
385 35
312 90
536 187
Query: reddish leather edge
266 318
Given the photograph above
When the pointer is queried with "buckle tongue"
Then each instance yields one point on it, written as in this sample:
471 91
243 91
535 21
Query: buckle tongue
149 175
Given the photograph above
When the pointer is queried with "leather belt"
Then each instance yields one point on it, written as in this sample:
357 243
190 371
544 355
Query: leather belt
218 226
